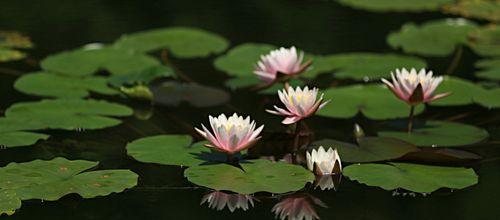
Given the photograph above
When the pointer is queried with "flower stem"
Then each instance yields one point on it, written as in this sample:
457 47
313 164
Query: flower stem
296 137
410 119
456 59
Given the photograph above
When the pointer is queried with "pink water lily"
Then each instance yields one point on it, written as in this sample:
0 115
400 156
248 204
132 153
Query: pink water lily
298 206
284 61
415 88
230 135
299 103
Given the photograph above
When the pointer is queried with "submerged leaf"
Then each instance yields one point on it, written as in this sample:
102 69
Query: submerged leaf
182 42
174 93
10 55
256 176
412 177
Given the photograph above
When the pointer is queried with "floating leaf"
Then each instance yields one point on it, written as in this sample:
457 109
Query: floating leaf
363 66
9 202
69 114
20 138
142 77
485 41
489 98
173 93
82 62
374 101
370 149
483 9
12 39
412 177
242 82
490 69
10 55
139 92
60 86
434 38
256 176
182 42
396 5
440 134
463 92
240 60
167 150
51 180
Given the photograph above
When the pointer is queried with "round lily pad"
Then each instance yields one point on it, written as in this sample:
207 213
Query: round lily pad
412 177
396 5
485 41
82 62
20 138
240 60
463 92
69 113
182 42
373 101
51 180
60 86
174 93
9 202
489 98
440 134
167 150
363 66
490 69
369 149
433 38
143 77
256 176
488 9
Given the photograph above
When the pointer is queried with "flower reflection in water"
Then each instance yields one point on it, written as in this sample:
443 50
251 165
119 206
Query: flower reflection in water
219 200
297 207
328 182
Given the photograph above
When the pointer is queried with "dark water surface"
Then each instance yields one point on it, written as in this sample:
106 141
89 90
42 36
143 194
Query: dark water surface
320 27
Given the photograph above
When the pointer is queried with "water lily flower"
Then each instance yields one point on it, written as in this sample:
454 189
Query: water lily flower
218 200
324 162
415 88
299 103
298 207
230 135
284 61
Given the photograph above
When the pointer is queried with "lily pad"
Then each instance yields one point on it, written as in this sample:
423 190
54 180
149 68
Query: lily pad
60 86
490 69
240 60
433 38
440 134
373 101
363 66
20 138
51 180
369 149
69 114
256 176
168 150
412 177
9 202
482 9
174 93
489 98
463 92
12 39
83 62
485 41
143 77
7 55
182 42
396 5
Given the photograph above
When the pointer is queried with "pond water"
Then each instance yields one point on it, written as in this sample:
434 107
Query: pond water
317 27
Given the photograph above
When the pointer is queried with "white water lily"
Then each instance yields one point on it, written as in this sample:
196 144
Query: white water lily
283 60
324 162
218 200
230 135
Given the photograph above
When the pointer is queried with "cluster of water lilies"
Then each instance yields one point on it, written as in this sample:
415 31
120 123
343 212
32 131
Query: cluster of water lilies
236 133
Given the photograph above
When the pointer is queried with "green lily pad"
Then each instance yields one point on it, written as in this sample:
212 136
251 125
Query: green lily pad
433 38
396 5
490 69
412 177
167 150
51 180
373 101
143 77
489 98
20 138
463 92
485 41
7 55
83 62
369 149
182 42
60 86
240 60
9 202
482 9
12 39
174 93
363 66
69 114
440 134
256 176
